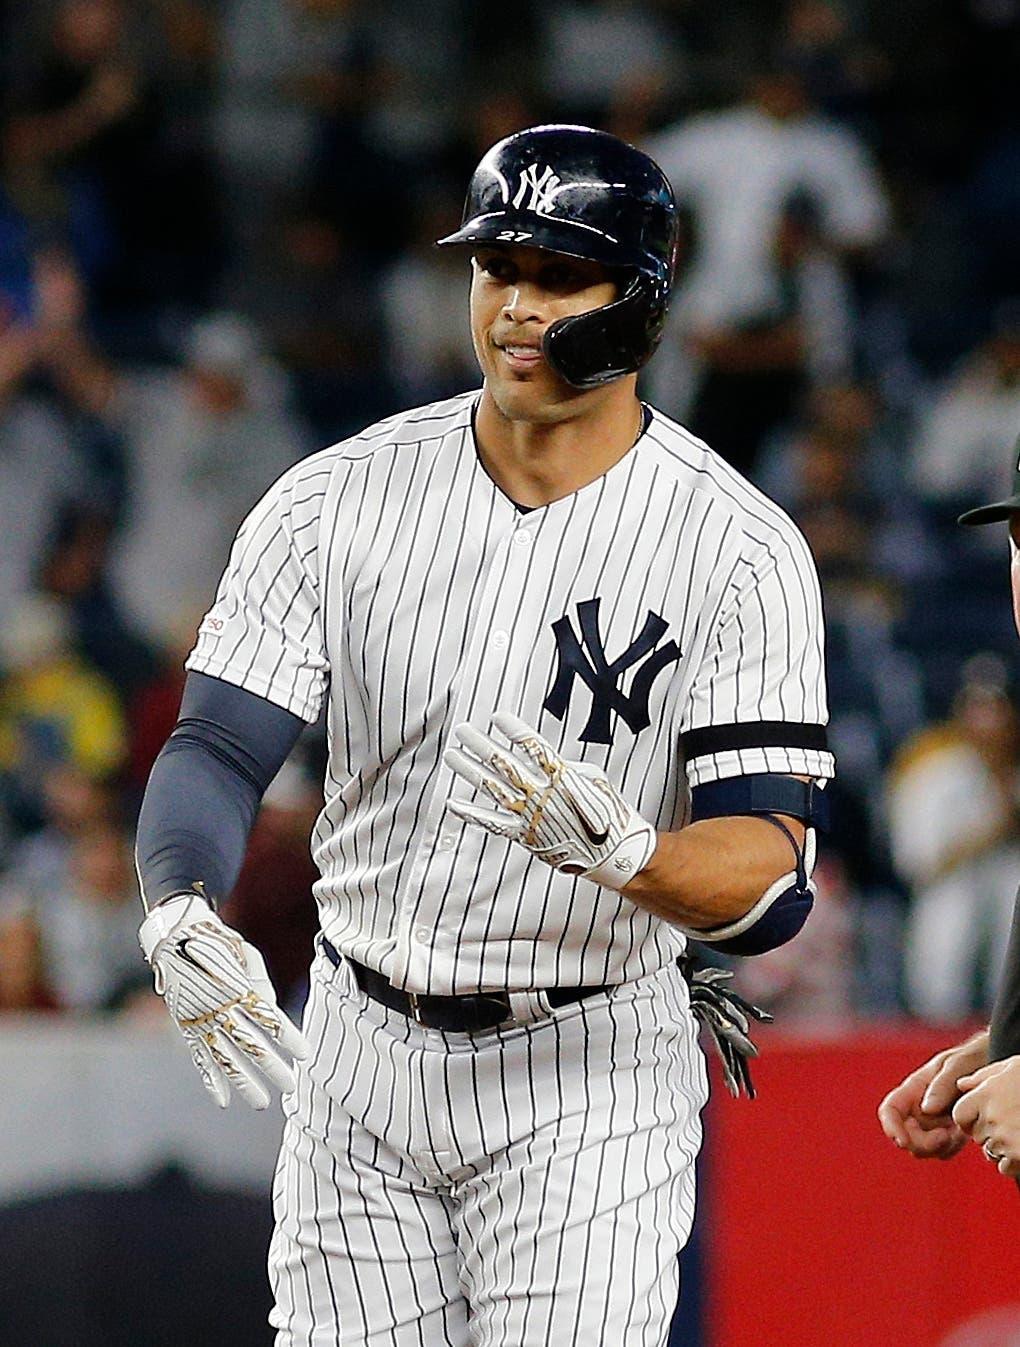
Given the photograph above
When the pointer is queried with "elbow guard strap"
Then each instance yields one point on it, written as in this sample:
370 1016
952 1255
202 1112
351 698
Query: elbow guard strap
763 793
775 918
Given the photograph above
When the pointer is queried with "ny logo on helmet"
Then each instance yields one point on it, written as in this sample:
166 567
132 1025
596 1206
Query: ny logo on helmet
542 186
601 676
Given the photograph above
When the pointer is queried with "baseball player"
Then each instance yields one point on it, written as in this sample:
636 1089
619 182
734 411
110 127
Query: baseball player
572 668
973 1088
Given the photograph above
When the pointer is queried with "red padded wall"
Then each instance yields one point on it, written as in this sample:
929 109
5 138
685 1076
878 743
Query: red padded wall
820 1233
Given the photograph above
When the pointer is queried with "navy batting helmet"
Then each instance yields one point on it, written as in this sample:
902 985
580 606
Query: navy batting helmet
573 190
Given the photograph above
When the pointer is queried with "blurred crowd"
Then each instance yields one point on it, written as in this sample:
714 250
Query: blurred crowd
216 220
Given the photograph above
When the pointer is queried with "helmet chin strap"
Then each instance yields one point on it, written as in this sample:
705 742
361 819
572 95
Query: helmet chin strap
591 349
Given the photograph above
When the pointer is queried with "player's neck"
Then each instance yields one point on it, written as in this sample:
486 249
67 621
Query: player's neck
535 463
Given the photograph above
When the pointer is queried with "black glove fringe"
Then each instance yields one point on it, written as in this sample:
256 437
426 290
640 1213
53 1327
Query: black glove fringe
727 1017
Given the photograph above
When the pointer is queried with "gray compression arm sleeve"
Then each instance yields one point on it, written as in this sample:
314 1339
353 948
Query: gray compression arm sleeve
205 789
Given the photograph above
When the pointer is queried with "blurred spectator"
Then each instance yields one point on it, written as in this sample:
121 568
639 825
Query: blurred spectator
739 169
857 845
74 569
88 928
206 441
72 803
428 335
38 471
958 455
76 373
59 446
399 100
40 866
841 71
753 375
993 209
89 137
22 977
845 447
835 471
54 708
490 112
747 174
869 676
602 56
285 66
953 797
319 309
272 903
875 689
495 45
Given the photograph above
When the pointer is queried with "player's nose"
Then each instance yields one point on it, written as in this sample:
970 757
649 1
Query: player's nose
522 304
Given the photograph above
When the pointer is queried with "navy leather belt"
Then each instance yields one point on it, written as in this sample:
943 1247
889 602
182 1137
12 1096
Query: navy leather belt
453 1014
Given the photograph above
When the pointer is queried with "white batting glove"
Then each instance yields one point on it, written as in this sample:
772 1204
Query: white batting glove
568 814
217 989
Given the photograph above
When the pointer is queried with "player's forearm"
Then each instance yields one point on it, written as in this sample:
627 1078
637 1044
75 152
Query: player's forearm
193 827
205 789
713 872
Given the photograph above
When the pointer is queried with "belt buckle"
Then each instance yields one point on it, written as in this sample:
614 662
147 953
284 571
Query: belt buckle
415 1009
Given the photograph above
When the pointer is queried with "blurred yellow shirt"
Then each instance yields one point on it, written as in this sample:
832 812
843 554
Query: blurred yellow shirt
66 708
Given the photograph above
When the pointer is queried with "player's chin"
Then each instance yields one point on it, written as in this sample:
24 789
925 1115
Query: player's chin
537 395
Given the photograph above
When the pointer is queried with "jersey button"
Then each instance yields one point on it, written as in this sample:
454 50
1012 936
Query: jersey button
500 640
522 537
447 843
423 934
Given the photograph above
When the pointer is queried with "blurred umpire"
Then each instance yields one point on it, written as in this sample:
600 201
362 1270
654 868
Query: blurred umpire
972 1089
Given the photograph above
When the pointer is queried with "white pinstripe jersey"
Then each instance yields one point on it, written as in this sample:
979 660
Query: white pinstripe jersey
663 622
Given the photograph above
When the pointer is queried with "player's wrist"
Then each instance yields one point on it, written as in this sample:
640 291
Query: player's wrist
628 859
195 889
169 915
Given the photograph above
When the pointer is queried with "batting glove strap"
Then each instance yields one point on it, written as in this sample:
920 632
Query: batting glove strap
567 814
217 990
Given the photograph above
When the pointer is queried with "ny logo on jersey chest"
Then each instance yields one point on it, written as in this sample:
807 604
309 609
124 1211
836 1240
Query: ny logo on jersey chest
585 658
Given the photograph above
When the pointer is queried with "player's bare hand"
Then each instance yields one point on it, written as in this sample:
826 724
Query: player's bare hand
568 814
917 1114
217 989
988 1111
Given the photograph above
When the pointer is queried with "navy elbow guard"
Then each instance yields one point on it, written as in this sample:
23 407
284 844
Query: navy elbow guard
775 918
785 905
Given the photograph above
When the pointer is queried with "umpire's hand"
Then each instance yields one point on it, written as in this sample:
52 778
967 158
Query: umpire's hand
989 1112
917 1114
217 989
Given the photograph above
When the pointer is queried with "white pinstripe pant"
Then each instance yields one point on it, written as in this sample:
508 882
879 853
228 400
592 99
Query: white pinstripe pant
525 1187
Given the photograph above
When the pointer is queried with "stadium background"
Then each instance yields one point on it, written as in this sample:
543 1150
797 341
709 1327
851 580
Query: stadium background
215 228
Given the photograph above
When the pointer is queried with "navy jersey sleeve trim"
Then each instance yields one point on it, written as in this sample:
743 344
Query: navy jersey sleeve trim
752 734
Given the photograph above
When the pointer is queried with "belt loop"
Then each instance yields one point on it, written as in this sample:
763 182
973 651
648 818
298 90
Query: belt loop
526 1006
415 1008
